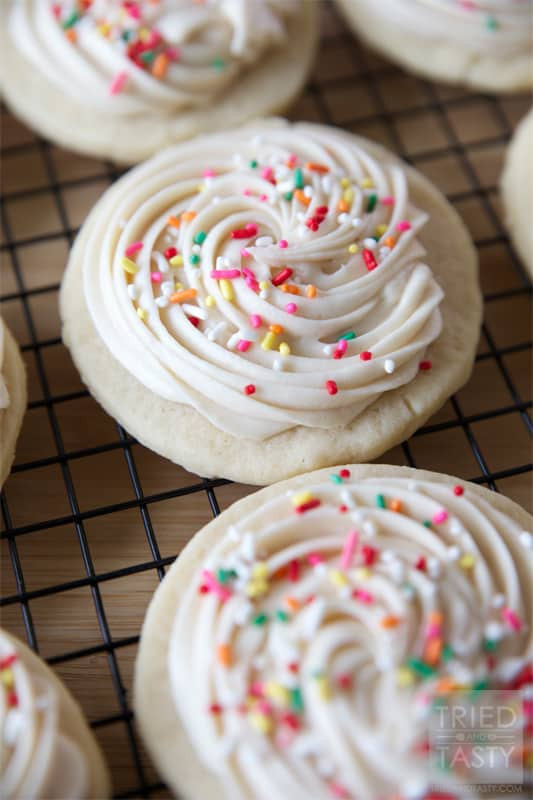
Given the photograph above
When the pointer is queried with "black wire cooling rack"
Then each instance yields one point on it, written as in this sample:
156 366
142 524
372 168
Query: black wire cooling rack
457 138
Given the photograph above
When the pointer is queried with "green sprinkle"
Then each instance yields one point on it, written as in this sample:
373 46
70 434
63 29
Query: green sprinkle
297 703
427 523
287 196
490 645
447 653
492 23
260 619
148 56
421 669
218 63
298 178
194 259
335 478
200 237
380 501
71 20
253 163
371 204
282 615
224 575
126 35
479 686
348 336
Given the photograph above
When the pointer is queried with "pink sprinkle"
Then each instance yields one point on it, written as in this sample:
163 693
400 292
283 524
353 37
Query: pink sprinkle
117 84
342 346
314 559
243 345
225 273
264 707
292 159
263 198
247 192
173 54
133 248
245 253
387 201
512 619
403 225
133 10
291 308
348 550
252 284
208 173
440 516
156 277
214 586
364 597
282 244
255 321
267 173
338 790
257 689
433 629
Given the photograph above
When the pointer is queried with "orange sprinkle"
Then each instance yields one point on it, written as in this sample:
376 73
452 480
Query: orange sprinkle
290 288
160 66
395 505
183 296
275 328
224 655
71 35
187 216
342 205
292 603
445 685
311 290
300 196
435 618
174 221
432 651
390 621
312 167
390 241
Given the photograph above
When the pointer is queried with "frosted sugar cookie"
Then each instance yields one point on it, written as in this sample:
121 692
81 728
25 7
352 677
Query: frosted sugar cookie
485 44
121 79
47 749
258 303
12 398
297 646
517 190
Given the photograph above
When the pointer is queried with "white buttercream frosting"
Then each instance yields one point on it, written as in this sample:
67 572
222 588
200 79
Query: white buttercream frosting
4 394
307 650
144 56
502 27
306 291
37 758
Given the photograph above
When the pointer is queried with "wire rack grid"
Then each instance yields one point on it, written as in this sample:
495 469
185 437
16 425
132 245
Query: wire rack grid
91 519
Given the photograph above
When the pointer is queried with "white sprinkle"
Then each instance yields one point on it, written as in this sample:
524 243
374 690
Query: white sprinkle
342 218
455 527
284 186
12 726
196 248
397 571
233 534
162 301
387 556
167 287
494 631
498 601
277 364
370 244
415 789
232 341
313 616
264 241
281 172
433 567
263 294
133 291
347 499
327 183
356 222
320 569
308 191
222 262
389 366
194 311
161 261
526 539
453 553
248 547
369 528
384 252
327 349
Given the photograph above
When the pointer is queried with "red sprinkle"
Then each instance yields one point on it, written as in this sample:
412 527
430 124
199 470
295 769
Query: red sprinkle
282 276
245 233
12 699
458 490
344 681
170 252
369 259
421 564
291 720
369 554
294 570
215 708
331 386
314 503
8 660
249 389
366 355
343 509
425 365
293 667
345 473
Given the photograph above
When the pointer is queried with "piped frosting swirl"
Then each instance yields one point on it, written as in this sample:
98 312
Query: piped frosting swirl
306 654
268 279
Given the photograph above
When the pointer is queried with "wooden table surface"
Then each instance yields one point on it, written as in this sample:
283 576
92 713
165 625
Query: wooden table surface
81 537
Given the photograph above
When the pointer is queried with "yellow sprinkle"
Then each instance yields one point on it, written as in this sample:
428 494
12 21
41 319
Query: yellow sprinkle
129 266
363 573
345 182
143 34
353 249
200 188
261 723
268 341
467 561
347 195
256 588
404 677
260 570
142 314
366 183
301 497
278 693
210 301
338 578
264 285
178 286
227 289
176 261
284 349
380 230
6 676
323 686
104 29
